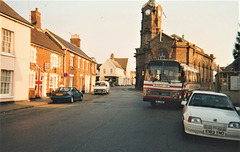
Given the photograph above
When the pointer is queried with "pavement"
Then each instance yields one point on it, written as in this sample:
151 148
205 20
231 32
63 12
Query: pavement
19 105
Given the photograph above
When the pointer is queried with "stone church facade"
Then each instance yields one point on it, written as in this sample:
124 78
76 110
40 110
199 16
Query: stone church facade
156 45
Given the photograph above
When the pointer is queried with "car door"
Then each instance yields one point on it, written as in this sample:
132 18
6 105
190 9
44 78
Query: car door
75 94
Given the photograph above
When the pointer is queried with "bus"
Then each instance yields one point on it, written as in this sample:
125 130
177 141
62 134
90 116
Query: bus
168 81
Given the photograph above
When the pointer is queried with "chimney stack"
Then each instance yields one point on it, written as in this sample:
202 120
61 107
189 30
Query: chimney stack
75 40
112 56
36 18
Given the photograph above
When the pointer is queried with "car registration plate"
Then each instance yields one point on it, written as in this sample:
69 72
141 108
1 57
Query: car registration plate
158 101
214 132
59 94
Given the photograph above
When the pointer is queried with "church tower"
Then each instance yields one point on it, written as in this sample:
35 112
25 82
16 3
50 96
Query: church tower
151 21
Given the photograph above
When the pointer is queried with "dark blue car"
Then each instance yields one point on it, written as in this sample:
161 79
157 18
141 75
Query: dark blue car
69 94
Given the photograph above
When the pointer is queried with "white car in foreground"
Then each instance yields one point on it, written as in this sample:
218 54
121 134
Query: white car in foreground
211 114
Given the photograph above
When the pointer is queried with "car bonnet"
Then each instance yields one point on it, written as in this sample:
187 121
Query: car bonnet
210 114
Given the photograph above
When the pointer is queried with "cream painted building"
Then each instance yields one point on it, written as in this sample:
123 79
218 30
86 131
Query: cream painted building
116 71
15 54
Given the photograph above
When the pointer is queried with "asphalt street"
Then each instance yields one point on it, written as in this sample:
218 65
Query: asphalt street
117 122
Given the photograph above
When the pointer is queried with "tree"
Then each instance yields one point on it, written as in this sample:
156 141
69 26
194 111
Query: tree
236 50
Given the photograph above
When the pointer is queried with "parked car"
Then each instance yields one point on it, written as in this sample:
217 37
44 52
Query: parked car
102 87
211 114
69 94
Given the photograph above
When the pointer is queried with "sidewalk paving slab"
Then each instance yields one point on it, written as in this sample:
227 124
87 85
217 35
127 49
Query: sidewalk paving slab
18 105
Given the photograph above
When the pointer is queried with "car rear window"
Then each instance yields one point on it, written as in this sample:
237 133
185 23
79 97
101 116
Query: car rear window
64 89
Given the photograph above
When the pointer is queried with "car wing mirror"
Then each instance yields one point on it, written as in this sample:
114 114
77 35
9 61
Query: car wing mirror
184 103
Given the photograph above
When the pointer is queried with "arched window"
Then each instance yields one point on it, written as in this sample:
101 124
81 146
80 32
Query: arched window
148 37
162 55
199 69
203 73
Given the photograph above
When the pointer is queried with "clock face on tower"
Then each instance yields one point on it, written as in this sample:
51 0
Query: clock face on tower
148 12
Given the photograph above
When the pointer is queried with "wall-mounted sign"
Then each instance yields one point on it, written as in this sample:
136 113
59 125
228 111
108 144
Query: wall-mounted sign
47 66
65 75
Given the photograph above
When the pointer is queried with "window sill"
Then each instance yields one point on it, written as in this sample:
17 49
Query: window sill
5 97
7 54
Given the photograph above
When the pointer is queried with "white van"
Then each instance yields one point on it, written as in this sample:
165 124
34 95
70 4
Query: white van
101 87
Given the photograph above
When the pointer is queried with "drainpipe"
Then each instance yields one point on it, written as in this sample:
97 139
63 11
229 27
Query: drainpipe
64 67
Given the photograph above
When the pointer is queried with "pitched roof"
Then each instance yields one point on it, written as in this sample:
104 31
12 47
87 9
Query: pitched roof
7 10
122 62
40 38
234 66
70 46
116 63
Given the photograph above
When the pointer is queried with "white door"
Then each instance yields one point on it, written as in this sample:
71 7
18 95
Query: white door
71 81
87 83
93 82
44 84
80 83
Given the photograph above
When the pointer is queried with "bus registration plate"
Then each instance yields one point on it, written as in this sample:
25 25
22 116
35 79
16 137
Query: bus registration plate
158 101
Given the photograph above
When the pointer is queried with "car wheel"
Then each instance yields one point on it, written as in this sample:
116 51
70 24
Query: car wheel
81 98
72 100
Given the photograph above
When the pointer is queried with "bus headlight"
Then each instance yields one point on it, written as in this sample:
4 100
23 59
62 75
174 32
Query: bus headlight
146 92
175 95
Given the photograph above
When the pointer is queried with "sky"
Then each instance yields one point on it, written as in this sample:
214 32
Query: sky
113 26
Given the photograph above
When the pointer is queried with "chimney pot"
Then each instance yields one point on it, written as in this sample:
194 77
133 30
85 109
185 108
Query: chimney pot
75 40
36 18
112 56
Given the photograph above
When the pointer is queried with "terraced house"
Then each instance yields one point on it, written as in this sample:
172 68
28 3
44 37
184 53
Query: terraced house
14 54
79 68
35 62
46 61
58 62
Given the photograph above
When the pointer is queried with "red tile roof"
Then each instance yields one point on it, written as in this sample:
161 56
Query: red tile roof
38 37
70 46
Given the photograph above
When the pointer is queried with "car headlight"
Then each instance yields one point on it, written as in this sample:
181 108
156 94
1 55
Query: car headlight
146 92
234 125
195 120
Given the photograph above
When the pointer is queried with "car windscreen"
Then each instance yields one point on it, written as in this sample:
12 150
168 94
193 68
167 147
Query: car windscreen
213 101
100 84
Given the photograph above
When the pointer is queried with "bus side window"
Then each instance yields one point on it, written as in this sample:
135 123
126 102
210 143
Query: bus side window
183 78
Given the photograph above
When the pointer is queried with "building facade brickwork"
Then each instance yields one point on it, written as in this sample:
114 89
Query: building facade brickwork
156 45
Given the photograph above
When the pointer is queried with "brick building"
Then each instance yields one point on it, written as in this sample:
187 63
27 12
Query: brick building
46 61
228 81
156 45
79 69
55 62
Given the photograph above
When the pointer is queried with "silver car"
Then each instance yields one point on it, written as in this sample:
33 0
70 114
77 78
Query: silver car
211 114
